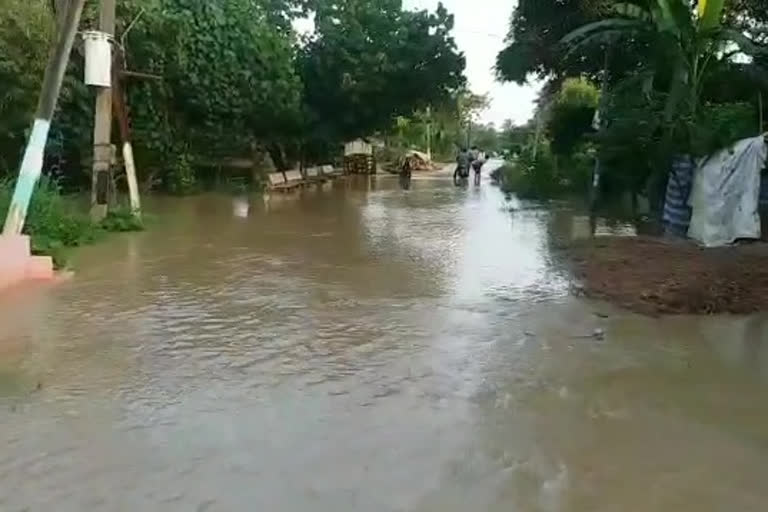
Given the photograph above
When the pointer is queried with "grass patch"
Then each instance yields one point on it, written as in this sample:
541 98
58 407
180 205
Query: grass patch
57 222
545 177
529 181
121 220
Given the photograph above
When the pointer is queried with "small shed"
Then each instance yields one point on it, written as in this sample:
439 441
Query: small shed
358 147
359 157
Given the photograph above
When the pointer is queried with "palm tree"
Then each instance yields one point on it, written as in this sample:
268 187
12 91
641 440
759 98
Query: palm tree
680 43
683 40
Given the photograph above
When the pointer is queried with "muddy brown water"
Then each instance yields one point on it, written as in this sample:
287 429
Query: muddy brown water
361 347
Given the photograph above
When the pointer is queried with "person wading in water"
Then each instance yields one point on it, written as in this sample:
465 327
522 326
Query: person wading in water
478 163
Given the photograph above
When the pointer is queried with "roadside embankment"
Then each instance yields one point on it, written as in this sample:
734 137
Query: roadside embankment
655 276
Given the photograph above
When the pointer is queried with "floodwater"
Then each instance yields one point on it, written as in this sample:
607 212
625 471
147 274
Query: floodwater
361 347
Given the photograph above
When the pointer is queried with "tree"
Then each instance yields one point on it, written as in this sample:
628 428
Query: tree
571 114
226 69
673 71
370 62
514 138
486 137
683 46
534 48
228 80
233 78
26 30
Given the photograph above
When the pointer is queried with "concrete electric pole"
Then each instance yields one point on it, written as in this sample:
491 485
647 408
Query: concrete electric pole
68 19
102 129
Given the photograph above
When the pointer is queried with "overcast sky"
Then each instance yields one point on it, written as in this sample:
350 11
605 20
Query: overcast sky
481 26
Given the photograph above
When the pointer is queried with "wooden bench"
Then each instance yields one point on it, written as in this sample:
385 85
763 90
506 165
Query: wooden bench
329 172
278 182
314 175
294 178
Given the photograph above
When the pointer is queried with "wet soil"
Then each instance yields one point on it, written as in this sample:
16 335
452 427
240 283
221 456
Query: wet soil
657 276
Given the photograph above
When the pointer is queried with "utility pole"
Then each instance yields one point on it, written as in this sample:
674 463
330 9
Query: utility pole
101 180
429 133
469 133
32 162
120 108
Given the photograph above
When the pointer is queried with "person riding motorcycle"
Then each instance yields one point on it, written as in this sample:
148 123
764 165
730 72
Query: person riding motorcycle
463 162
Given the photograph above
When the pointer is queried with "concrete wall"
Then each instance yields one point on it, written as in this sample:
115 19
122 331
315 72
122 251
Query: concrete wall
17 265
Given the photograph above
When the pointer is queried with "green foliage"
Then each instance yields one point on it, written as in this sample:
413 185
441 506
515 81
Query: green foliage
673 84
452 123
231 81
534 43
537 174
57 222
536 29
634 151
631 146
514 138
684 49
26 28
578 93
370 62
180 178
26 32
121 220
720 125
228 79
531 179
486 137
571 114
54 223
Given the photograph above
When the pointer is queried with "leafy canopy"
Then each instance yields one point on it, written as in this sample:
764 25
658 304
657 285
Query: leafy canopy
571 114
370 62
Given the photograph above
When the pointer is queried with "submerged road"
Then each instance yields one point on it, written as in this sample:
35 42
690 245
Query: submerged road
361 347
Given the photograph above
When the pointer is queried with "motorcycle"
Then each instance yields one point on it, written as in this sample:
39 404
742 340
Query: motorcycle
461 176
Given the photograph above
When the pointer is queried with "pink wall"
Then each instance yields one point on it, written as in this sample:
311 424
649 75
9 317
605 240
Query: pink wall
17 265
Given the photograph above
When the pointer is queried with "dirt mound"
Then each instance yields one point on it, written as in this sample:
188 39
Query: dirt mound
655 276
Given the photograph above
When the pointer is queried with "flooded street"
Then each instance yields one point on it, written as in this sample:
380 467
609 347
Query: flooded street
361 347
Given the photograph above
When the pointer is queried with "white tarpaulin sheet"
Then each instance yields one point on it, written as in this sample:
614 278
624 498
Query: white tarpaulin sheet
726 190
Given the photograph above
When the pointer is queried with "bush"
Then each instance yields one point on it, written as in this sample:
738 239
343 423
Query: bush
571 115
56 222
26 28
545 177
722 124
637 147
632 149
121 220
537 177
181 178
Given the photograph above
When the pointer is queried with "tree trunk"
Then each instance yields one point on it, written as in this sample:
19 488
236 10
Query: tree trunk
258 177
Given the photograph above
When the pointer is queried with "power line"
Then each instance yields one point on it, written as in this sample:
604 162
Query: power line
480 33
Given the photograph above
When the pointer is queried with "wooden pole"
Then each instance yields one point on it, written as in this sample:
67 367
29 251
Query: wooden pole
119 105
32 162
429 133
594 189
469 133
102 129
537 135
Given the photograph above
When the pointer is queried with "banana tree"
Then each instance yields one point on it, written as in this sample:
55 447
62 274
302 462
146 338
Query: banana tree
683 38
